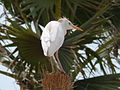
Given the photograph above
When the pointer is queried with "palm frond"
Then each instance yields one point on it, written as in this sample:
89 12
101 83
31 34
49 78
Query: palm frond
108 82
27 44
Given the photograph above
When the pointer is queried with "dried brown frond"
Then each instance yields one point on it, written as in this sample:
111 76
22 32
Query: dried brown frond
57 81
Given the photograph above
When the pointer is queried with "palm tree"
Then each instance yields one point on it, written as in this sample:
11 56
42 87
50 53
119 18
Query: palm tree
88 67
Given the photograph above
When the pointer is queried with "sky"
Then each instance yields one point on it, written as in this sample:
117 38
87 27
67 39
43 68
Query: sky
6 83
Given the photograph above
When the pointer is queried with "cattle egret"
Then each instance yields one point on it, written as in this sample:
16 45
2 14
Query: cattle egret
53 36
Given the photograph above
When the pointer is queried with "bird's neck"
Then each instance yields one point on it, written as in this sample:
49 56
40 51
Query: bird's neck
64 26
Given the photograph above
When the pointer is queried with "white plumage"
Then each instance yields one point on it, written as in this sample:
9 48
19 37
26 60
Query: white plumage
53 36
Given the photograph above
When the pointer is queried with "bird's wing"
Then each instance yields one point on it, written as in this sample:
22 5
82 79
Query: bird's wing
45 39
54 29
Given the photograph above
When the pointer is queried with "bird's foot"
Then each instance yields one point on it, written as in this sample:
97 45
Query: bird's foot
62 71
53 70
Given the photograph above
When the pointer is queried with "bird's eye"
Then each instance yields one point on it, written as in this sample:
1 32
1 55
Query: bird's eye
69 23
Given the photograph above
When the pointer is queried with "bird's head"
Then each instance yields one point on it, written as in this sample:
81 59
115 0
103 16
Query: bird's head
68 24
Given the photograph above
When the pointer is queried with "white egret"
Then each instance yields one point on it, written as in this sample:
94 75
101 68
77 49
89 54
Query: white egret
53 36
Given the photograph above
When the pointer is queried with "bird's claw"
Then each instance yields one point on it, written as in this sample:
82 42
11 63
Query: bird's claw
62 71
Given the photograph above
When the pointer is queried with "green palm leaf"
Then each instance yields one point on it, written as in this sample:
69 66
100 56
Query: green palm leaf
108 82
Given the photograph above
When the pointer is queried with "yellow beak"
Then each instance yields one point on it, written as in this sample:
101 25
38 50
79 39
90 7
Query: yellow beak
77 28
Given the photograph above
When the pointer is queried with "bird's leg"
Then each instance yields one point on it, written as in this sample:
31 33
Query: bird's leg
59 63
50 59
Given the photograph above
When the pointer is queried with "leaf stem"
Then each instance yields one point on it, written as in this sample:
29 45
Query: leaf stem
9 74
58 9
